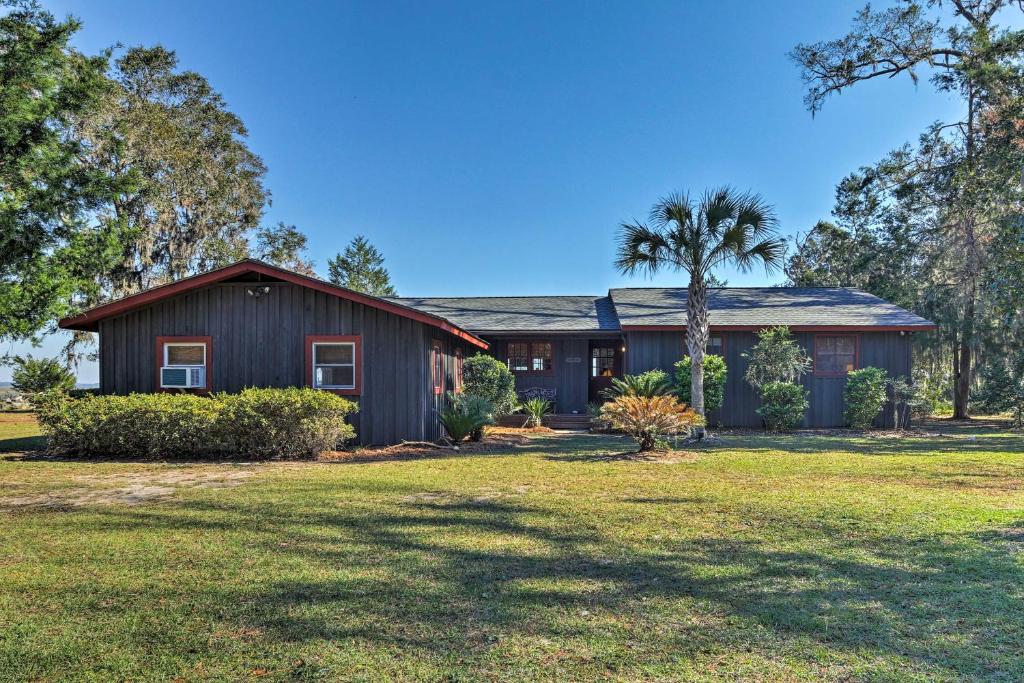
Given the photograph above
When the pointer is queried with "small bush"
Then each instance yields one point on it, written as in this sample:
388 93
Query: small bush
536 409
864 396
134 426
466 416
33 375
715 373
907 400
1002 388
650 418
488 378
776 357
647 384
545 393
783 405
598 422
256 423
283 423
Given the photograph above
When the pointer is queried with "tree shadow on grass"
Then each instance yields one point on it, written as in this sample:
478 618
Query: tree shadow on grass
22 444
451 577
874 445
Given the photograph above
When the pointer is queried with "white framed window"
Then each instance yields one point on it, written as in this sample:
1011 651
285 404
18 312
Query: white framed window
334 365
178 354
183 363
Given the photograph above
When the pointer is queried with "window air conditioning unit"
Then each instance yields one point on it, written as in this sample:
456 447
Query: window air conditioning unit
178 377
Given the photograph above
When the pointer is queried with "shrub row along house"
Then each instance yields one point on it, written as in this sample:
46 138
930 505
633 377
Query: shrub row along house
253 324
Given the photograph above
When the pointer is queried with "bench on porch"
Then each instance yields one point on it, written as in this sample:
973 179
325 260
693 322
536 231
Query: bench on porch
552 420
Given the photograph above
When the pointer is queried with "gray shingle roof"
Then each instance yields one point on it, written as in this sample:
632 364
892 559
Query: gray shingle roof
757 306
738 306
521 313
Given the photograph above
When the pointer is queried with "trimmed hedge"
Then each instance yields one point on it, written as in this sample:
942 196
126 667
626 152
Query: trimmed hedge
783 405
255 423
715 374
864 396
489 378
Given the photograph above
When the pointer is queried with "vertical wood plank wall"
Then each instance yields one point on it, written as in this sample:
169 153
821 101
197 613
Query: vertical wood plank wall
886 350
570 380
260 341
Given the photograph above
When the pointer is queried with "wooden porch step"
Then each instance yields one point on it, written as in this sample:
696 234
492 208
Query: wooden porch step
557 421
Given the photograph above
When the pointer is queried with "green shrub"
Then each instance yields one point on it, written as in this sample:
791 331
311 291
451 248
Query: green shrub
777 357
715 373
649 419
466 416
783 405
488 378
932 392
33 375
864 396
134 426
907 400
535 409
1002 388
283 423
257 423
646 384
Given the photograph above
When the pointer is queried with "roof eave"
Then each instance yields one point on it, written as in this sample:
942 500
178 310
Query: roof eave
928 327
88 321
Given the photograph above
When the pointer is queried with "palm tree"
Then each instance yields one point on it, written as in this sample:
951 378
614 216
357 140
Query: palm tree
724 227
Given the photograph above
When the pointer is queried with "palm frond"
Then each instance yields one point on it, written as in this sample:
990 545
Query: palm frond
757 215
719 208
672 210
641 249
770 252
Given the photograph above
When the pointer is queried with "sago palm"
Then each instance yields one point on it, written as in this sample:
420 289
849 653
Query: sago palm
724 227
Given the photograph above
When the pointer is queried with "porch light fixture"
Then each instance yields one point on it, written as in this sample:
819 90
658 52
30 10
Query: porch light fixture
257 292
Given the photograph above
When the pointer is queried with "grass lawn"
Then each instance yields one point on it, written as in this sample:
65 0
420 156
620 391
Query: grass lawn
764 558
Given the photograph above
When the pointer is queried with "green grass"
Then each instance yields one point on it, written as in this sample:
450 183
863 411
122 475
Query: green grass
766 558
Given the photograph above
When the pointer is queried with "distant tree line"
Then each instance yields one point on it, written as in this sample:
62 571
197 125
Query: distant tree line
935 225
118 172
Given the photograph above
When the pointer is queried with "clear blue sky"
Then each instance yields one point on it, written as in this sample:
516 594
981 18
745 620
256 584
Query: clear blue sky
493 148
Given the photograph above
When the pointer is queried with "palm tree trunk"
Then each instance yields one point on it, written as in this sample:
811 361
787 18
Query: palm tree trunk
697 341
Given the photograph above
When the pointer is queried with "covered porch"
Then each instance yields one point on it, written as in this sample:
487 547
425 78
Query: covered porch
571 370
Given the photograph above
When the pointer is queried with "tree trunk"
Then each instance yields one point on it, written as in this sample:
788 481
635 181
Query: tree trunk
964 358
972 268
697 341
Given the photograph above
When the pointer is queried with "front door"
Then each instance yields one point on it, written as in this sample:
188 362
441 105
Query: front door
605 363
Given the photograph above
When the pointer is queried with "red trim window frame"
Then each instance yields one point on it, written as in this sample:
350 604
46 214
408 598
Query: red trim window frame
720 336
686 348
817 349
459 359
164 340
530 357
357 361
437 366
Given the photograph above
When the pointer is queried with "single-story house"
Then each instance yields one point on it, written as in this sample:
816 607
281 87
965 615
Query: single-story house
253 324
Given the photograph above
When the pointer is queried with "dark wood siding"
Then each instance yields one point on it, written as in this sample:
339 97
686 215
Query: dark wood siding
260 341
569 379
887 350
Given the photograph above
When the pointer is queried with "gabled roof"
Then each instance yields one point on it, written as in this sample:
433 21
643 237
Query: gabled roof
636 308
757 307
485 314
89 320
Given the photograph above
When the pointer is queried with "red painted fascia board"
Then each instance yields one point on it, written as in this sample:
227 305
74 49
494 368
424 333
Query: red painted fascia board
88 320
794 328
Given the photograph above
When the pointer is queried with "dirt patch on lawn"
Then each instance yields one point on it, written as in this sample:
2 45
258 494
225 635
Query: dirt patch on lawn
498 440
482 497
127 489
17 417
